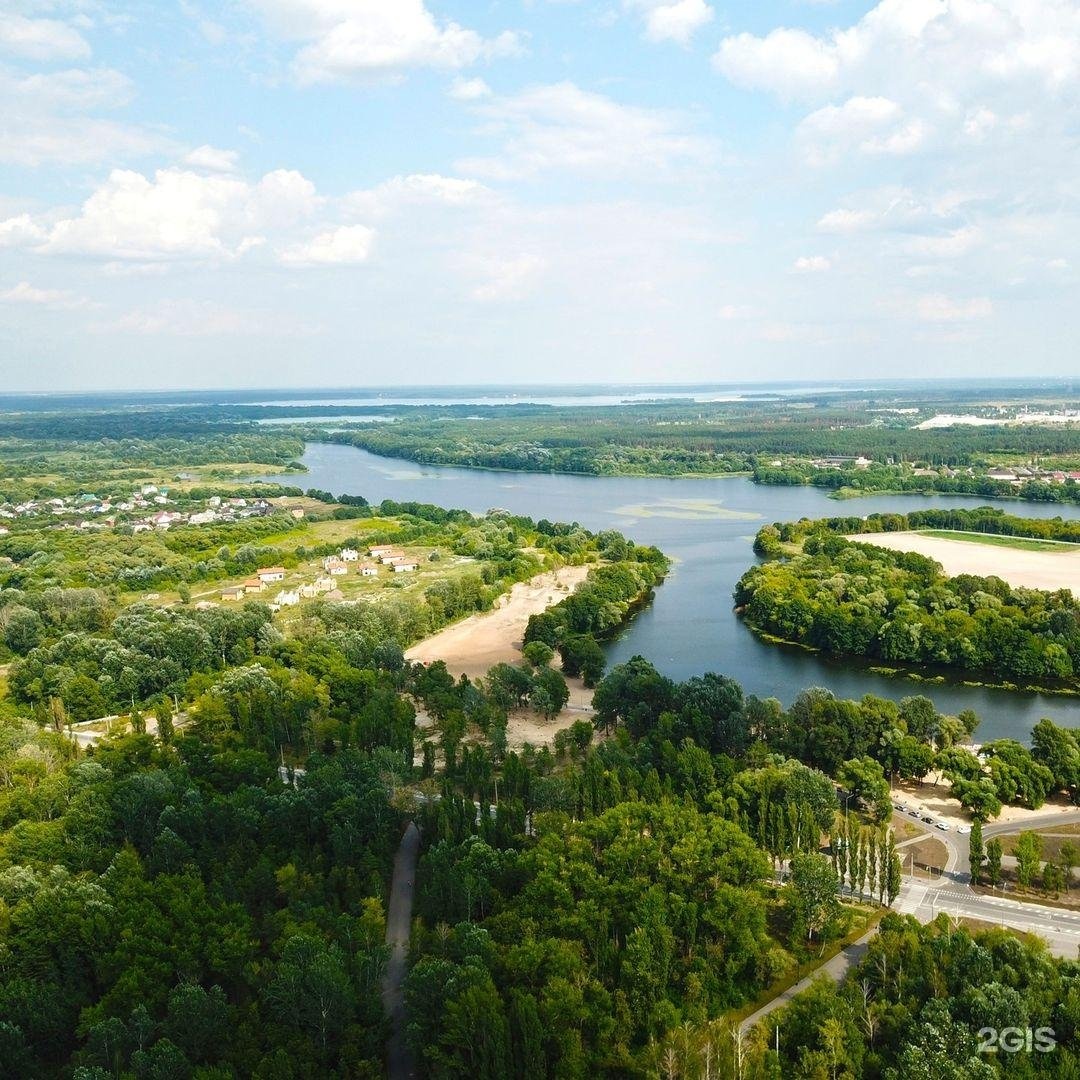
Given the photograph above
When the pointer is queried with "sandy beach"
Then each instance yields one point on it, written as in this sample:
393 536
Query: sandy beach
479 642
475 644
1027 569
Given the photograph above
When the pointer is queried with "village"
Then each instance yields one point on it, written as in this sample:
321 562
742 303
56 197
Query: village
383 557
147 509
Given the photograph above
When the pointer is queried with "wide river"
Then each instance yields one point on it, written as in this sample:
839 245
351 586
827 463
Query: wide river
707 527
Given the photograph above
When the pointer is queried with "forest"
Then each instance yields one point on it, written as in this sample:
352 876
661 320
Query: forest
202 895
852 599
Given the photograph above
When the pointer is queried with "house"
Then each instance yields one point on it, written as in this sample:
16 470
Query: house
204 517
287 598
369 569
324 584
379 550
335 567
349 555
404 565
205 605
267 574
308 592
253 585
148 489
233 592
388 557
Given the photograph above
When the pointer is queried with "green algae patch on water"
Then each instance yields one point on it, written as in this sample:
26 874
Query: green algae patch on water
686 510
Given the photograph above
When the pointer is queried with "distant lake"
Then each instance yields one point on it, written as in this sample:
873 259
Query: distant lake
707 527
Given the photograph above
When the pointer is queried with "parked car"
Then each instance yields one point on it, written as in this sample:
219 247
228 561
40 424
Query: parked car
963 830
914 813
942 825
927 818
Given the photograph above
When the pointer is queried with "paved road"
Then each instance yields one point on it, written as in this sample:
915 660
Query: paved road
952 895
399 1063
1058 927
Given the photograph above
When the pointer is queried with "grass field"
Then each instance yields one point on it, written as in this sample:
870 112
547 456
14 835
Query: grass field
1021 543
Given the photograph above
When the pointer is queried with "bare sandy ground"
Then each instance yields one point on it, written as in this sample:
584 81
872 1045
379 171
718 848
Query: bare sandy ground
1028 569
479 642
475 644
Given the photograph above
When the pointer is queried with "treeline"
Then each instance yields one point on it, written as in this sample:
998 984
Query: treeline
886 478
850 599
575 626
984 519
679 438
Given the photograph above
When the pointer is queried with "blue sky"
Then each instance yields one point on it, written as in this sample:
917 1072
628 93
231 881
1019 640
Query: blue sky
359 192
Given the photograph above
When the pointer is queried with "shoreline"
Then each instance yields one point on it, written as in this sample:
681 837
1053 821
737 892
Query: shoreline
474 644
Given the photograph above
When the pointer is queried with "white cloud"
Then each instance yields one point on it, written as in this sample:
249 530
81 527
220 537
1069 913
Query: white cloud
469 89
211 159
945 246
504 278
812 264
25 293
892 207
938 308
843 220
412 191
350 39
174 214
186 318
41 39
561 126
790 63
346 245
42 120
20 231
967 71
672 20
872 125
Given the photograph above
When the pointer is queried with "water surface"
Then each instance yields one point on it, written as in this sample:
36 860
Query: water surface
707 527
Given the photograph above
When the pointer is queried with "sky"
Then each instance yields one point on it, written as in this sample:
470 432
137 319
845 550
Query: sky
264 193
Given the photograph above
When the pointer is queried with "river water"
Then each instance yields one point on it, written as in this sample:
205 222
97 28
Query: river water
707 527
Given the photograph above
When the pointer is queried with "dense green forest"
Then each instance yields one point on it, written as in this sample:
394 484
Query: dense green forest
581 908
663 440
619 895
852 599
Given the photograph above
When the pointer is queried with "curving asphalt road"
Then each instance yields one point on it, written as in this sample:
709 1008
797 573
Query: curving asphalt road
399 1061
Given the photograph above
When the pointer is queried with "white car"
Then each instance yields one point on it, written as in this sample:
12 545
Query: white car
963 830
942 825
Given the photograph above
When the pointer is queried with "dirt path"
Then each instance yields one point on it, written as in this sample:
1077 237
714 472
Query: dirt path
1024 569
399 1062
